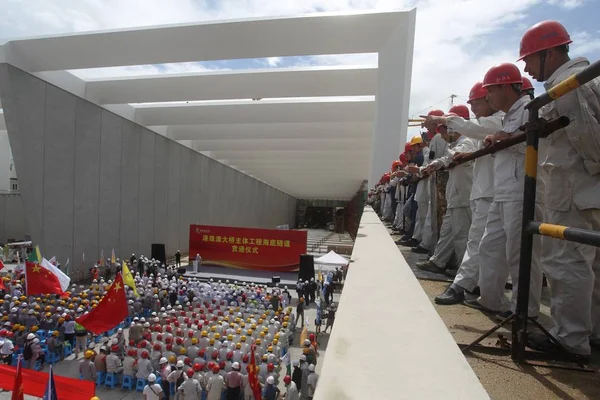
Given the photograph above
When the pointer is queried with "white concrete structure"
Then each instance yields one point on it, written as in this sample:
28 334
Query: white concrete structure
388 341
304 137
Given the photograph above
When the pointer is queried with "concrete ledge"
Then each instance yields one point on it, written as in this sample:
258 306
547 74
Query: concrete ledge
388 341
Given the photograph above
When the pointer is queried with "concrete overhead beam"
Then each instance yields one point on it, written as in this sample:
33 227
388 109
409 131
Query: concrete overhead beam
222 85
258 112
325 33
307 130
280 144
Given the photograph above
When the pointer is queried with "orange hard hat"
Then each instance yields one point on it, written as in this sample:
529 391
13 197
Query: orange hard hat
526 85
460 110
543 36
396 164
477 92
502 74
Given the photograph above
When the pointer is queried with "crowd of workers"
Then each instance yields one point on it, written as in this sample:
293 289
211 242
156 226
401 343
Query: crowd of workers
186 338
476 207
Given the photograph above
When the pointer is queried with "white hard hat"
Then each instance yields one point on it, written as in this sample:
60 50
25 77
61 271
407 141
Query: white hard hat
311 367
270 380
146 324
302 357
179 364
151 378
235 365
36 340
163 360
30 336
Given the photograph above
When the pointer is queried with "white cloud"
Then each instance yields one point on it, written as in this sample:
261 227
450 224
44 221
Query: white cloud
584 43
273 61
567 4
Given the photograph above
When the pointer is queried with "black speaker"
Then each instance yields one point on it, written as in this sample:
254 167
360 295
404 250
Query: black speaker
276 279
159 253
307 267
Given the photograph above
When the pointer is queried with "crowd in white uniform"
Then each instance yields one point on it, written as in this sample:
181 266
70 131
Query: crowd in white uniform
482 224
200 347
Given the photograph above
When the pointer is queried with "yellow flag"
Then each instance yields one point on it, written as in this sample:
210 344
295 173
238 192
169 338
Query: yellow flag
303 335
128 279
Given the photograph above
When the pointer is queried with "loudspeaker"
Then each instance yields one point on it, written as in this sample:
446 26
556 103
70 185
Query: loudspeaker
159 253
307 267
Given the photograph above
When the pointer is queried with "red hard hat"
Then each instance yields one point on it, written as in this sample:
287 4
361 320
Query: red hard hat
216 369
477 92
131 342
202 352
311 337
159 337
407 147
542 36
168 340
403 158
144 354
526 85
222 364
156 346
115 348
190 334
460 110
190 373
215 354
196 367
270 367
168 328
395 164
502 74
246 359
187 361
436 112
287 379
230 355
169 347
179 340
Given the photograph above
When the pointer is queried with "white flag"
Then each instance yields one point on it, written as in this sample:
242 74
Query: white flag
53 260
286 360
64 280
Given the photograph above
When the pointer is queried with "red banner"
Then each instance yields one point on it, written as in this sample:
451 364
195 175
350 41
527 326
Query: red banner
35 384
247 248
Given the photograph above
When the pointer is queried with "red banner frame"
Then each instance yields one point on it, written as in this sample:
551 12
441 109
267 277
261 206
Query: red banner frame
248 248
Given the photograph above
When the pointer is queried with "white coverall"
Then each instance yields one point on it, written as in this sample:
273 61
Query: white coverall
499 251
572 198
422 199
399 200
482 193
215 387
438 146
457 219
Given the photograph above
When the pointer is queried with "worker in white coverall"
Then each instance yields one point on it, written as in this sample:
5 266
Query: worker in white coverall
572 196
422 193
436 149
488 122
499 251
457 219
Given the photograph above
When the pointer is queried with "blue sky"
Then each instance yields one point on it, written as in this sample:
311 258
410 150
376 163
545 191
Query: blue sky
456 41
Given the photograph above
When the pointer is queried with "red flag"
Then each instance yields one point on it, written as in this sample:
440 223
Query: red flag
40 280
17 389
1 265
110 312
253 375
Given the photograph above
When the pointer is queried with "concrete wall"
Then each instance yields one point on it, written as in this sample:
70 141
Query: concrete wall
388 341
12 218
92 180
4 162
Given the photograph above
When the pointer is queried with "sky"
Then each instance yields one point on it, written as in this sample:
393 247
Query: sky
456 41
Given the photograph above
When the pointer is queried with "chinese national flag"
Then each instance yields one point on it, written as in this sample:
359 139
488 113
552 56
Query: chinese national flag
253 375
17 390
40 280
110 312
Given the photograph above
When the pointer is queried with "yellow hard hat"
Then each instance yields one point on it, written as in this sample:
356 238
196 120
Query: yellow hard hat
416 140
262 334
270 349
204 334
258 341
229 337
182 350
275 341
217 335
89 354
243 338
211 341
172 359
194 340
238 345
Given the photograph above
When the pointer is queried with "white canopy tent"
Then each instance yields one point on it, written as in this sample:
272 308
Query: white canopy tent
332 258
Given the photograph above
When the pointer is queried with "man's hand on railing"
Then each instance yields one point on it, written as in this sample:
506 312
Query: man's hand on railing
412 169
495 138
430 169
459 156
